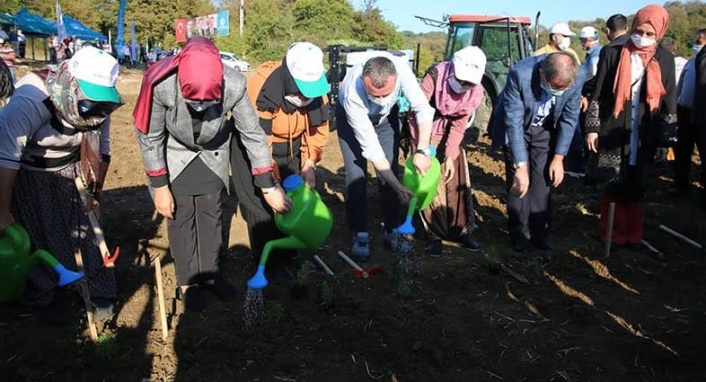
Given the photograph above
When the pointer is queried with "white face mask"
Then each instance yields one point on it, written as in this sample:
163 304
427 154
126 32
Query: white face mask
381 101
564 43
457 87
553 92
696 48
642 42
297 100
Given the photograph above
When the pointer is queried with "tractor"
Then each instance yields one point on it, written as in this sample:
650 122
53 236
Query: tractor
504 39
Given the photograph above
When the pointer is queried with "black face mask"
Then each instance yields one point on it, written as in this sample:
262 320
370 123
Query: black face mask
88 108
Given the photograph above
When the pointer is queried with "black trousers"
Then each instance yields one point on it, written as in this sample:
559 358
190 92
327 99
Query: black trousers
688 135
195 237
257 214
530 216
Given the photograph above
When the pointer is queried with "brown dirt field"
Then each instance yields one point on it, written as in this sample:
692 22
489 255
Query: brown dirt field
568 315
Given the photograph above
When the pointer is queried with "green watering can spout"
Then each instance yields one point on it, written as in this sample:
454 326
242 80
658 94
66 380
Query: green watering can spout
259 281
307 225
16 263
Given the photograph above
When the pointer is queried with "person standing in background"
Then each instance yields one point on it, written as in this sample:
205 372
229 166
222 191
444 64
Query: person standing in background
632 112
559 40
692 131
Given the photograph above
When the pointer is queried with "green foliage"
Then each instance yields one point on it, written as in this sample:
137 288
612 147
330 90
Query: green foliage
326 292
303 275
275 312
107 346
270 26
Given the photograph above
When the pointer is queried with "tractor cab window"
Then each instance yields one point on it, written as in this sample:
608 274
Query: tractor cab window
493 38
460 37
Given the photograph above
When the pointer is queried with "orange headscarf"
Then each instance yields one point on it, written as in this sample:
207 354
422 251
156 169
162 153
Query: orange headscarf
658 18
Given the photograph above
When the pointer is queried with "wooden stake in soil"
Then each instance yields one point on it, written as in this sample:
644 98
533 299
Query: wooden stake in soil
681 237
609 232
90 318
160 296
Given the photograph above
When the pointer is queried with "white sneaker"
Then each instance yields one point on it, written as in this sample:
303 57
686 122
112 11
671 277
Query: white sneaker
361 246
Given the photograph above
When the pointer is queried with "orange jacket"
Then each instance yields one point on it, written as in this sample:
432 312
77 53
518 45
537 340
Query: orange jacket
288 127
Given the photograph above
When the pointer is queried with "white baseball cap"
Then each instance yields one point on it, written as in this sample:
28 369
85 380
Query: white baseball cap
562 29
469 64
96 72
305 62
588 32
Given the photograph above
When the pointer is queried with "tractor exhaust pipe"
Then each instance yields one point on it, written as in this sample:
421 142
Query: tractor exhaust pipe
536 29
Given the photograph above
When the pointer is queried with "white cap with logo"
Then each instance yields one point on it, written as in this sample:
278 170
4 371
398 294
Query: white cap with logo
97 73
469 64
305 62
562 29
588 32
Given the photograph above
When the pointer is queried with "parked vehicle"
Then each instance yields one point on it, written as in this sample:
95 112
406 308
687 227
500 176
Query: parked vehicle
230 59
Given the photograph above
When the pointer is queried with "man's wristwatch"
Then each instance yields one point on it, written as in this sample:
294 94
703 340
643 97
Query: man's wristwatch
425 151
518 165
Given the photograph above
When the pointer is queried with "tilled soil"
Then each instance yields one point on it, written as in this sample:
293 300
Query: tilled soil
567 315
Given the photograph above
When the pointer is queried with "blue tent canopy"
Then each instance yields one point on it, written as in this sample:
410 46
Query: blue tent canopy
30 23
7 19
75 28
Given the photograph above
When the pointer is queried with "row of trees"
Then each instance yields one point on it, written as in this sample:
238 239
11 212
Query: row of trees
271 25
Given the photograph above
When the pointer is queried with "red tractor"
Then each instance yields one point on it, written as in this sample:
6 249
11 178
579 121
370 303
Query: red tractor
504 39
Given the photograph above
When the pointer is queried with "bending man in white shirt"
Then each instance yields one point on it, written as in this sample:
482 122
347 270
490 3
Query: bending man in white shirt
368 130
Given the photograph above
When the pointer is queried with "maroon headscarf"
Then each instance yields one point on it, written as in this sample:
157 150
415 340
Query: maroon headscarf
200 73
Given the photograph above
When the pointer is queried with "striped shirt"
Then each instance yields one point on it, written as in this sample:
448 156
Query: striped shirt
7 54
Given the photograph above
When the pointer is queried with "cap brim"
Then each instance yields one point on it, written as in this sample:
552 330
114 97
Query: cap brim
313 89
99 93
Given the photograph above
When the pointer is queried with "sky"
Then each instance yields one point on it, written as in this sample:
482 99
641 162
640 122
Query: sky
402 12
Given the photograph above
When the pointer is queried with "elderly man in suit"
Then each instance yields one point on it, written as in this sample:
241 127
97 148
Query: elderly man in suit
534 121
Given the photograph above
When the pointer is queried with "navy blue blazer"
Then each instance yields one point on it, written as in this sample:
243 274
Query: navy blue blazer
517 106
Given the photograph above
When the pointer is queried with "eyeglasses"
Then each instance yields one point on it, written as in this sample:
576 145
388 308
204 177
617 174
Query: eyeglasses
88 108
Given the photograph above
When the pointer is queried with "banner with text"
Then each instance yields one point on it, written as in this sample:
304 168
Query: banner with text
215 24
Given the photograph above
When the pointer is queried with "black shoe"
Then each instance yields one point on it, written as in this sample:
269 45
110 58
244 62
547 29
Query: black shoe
677 191
470 243
56 313
280 275
103 307
520 244
433 249
221 288
635 247
193 299
543 244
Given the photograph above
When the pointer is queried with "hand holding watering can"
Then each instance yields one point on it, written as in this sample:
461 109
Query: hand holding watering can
424 186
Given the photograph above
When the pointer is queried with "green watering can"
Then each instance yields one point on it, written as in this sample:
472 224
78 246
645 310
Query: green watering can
16 263
423 187
307 225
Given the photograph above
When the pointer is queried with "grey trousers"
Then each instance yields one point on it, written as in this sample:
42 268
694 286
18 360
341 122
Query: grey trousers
195 237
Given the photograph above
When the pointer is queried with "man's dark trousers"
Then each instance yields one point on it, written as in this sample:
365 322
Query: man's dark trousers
688 134
530 216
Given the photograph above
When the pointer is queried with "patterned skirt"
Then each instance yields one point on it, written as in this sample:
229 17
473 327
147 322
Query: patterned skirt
48 206
450 215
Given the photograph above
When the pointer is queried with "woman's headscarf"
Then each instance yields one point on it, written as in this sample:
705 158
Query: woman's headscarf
658 18
200 73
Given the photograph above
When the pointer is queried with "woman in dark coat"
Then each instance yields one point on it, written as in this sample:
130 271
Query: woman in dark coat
632 112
